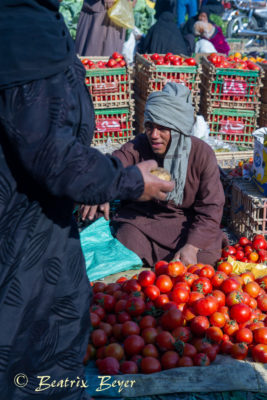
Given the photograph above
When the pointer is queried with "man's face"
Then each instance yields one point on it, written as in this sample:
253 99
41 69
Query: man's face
203 17
159 137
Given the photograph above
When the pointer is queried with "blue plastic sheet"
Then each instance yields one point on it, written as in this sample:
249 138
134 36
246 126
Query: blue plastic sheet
105 255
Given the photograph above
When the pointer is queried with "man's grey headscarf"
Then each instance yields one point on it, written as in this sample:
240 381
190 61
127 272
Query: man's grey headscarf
172 108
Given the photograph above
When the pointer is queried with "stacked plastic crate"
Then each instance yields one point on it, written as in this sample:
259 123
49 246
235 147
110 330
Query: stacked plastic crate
111 88
263 109
230 102
150 77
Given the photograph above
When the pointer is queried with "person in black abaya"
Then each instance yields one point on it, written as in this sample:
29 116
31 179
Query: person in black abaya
164 36
46 164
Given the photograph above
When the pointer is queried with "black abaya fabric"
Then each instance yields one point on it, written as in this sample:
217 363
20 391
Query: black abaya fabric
35 42
163 37
45 164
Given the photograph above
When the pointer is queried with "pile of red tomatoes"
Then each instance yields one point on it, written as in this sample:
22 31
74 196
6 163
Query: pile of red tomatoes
177 317
232 62
170 59
249 251
115 61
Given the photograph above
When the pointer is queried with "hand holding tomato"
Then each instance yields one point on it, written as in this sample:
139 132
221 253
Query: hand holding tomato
187 254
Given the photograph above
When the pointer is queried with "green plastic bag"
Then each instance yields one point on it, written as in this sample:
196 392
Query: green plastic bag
121 14
105 255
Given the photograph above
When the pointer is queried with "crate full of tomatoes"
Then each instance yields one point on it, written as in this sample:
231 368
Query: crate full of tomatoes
231 82
152 71
232 125
109 81
177 316
113 124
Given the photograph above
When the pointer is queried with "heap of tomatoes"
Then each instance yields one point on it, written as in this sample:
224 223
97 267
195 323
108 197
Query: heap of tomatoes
248 251
115 61
170 59
177 317
232 62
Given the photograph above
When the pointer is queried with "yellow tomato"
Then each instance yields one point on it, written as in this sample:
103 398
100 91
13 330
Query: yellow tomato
238 55
244 58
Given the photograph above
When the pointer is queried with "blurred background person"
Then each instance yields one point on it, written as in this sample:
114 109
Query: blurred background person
96 34
185 7
164 36
211 36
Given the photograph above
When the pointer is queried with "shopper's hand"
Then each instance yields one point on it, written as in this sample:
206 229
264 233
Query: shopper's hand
155 188
187 254
90 211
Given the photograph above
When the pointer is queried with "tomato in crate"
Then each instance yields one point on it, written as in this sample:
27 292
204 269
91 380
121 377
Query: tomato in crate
114 124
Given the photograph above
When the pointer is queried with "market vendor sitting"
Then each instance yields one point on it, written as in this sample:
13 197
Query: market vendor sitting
187 226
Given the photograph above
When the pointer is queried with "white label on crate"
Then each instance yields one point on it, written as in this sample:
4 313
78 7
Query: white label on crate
105 87
234 87
234 127
108 124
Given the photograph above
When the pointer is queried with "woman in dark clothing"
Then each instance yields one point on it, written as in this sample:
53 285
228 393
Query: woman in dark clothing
164 36
46 163
165 5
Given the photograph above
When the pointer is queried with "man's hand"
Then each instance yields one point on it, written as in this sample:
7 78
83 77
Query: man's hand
187 254
155 188
89 211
